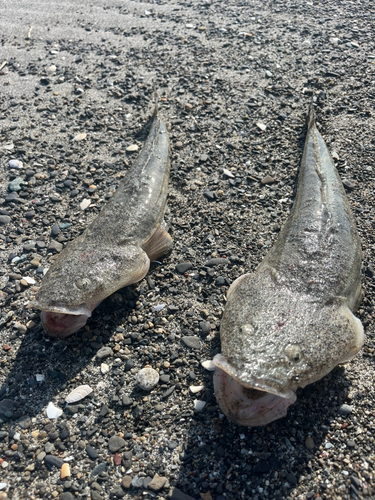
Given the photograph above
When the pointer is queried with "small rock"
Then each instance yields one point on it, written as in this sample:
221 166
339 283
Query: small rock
345 409
217 261
147 378
191 341
210 195
208 365
104 368
92 453
80 137
132 149
53 461
55 246
262 126
126 482
267 180
16 184
4 220
115 443
176 494
309 443
183 267
157 483
104 352
15 164
199 405
84 204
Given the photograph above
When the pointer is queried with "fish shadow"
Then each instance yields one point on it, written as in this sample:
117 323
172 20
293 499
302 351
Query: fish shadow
270 460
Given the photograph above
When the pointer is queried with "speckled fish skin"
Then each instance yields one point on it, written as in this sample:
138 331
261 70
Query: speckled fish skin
291 322
116 248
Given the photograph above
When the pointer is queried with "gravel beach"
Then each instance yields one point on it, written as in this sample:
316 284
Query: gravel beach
234 81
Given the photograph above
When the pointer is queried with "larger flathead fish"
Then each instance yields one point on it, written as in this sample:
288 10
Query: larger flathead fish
116 248
291 322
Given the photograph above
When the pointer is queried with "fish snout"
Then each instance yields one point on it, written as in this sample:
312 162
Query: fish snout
59 325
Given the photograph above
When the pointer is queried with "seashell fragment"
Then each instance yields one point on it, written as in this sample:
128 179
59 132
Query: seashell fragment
78 393
80 137
196 388
65 471
208 365
104 368
53 411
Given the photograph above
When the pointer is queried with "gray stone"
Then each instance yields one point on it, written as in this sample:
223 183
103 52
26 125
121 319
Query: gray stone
115 443
92 453
192 341
4 220
53 461
217 261
99 469
157 483
345 409
176 494
16 184
104 352
183 267
55 246
209 195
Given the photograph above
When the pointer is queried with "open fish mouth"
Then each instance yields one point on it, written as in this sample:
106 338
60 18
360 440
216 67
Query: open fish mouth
251 404
60 321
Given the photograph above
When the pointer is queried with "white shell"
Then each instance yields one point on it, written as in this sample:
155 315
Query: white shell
196 388
199 405
80 137
84 204
78 393
53 411
208 365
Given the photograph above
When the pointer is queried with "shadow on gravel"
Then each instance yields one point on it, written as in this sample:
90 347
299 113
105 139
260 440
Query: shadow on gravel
60 362
265 462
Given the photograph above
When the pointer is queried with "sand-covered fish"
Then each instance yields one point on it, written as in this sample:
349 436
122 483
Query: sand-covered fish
291 322
116 248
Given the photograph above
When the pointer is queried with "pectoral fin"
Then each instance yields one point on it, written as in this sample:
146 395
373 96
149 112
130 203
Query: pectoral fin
359 336
158 243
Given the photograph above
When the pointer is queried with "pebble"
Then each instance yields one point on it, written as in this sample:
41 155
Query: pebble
29 281
196 388
209 195
182 267
80 137
126 482
192 341
228 173
115 443
67 496
55 246
199 405
176 494
4 220
345 409
309 443
104 368
262 126
92 453
132 149
53 461
157 483
99 469
147 378
104 352
267 180
16 184
55 230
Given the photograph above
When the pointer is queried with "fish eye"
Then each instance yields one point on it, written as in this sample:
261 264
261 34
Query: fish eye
82 283
294 353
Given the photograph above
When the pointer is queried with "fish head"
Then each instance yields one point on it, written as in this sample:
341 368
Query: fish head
275 345
80 279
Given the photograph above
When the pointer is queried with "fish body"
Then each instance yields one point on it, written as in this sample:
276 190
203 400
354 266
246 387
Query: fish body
116 248
291 322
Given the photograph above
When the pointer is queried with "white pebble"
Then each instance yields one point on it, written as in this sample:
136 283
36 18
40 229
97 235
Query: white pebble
196 388
159 307
104 368
147 378
262 126
53 411
5 464
228 173
132 148
29 280
199 405
208 365
84 204
39 377
3 486
80 137
17 436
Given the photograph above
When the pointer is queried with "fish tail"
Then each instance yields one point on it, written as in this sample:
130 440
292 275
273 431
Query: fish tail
311 119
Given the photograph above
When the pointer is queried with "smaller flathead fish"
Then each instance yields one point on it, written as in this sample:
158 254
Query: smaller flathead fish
116 248
291 322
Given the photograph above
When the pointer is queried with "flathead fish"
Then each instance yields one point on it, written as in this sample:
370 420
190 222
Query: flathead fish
291 322
116 248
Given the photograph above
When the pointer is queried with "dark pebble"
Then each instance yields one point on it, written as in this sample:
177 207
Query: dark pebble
176 494
53 461
129 364
209 195
183 267
220 281
92 453
67 496
4 220
291 478
168 392
205 327
55 230
126 401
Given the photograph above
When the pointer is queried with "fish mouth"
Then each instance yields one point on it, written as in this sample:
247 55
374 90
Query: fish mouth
60 321
252 403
